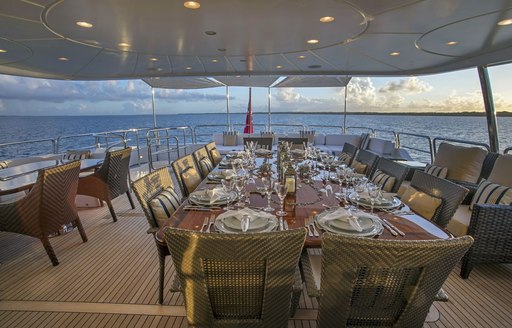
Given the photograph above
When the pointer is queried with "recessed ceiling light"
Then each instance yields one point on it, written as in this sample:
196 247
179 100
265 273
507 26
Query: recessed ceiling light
312 41
279 66
63 58
395 53
214 60
505 22
84 24
188 67
451 43
3 50
153 59
123 44
314 66
210 32
222 49
301 57
192 4
243 60
327 19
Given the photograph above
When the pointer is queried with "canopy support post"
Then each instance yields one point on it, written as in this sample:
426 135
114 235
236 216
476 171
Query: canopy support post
345 113
228 123
490 112
154 111
269 114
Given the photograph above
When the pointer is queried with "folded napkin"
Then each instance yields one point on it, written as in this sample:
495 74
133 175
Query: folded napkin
238 214
343 214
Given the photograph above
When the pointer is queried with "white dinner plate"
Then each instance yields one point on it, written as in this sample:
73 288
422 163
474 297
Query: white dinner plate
231 224
370 224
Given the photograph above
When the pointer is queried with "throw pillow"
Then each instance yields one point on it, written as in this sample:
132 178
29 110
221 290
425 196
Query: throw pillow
359 167
436 171
77 154
206 165
346 158
386 181
215 155
164 205
491 193
3 165
421 203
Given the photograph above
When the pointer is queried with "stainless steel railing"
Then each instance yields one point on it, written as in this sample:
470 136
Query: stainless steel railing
421 138
158 143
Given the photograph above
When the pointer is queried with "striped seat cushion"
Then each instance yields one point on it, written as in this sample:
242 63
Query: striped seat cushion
359 167
436 171
346 158
77 154
164 205
492 193
206 165
386 181
3 165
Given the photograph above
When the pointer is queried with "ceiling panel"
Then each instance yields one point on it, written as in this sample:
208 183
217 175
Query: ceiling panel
108 64
20 9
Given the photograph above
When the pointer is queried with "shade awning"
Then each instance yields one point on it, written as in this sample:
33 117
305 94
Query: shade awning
182 82
313 81
247 81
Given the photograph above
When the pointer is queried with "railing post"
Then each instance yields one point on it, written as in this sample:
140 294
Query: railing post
490 112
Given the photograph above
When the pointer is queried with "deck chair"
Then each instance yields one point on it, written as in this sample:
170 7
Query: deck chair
147 189
364 282
214 153
110 180
236 280
262 142
389 174
187 174
203 161
48 206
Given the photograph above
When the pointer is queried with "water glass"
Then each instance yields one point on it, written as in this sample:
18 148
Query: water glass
374 193
268 183
227 185
281 190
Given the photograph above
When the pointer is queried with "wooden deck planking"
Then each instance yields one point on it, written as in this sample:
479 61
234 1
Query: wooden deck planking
119 265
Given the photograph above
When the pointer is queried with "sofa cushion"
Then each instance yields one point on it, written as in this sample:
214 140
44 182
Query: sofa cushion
386 181
459 224
421 203
501 172
164 205
346 158
359 167
436 171
3 164
492 193
463 163
319 139
340 139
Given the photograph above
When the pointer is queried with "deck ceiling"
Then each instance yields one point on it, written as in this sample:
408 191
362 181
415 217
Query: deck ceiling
159 38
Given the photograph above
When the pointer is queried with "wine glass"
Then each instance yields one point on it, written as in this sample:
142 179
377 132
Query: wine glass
227 185
373 192
268 183
281 190
240 185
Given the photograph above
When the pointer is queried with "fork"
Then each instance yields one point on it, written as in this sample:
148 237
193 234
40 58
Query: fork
206 222
210 222
310 234
311 222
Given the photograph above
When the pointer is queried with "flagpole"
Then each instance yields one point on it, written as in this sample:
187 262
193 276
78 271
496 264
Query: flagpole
269 115
227 109
153 101
345 113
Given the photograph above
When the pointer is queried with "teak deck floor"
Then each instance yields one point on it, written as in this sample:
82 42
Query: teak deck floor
112 281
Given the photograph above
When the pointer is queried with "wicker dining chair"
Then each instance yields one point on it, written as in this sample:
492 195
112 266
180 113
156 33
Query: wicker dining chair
348 153
364 282
451 195
187 174
367 159
236 280
297 143
110 180
203 161
214 153
48 206
146 189
391 169
262 142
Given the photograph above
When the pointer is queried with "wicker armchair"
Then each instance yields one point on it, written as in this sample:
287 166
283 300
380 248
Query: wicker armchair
48 205
236 280
394 169
187 174
379 283
263 142
203 161
146 189
214 154
110 180
367 158
450 193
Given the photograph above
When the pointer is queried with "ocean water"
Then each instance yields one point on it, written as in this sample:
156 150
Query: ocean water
18 128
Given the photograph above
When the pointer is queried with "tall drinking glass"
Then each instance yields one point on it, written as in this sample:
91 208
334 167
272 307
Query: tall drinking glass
240 185
281 190
268 183
227 185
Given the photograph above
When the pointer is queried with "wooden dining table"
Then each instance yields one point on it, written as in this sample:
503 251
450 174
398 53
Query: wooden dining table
22 177
306 203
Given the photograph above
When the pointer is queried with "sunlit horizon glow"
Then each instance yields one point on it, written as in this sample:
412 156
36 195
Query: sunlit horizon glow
448 92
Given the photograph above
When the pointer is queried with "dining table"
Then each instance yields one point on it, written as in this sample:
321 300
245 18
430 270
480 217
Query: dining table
302 208
22 177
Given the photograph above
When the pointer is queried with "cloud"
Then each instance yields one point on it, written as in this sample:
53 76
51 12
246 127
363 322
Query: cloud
455 102
411 85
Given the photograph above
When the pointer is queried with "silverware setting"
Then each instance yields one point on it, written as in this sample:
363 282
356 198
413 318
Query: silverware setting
311 223
211 221
201 208
398 231
206 222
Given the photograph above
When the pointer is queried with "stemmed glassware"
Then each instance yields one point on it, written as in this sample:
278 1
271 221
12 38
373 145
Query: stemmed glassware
374 193
240 185
267 185
281 190
227 185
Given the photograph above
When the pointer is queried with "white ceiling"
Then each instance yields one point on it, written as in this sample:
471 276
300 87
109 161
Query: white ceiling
253 37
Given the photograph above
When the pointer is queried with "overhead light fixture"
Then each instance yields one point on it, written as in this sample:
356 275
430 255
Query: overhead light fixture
279 66
210 33
327 19
313 41
452 43
505 22
301 57
192 4
84 24
214 60
63 58
315 66
395 53
188 67
222 49
3 50
123 44
153 59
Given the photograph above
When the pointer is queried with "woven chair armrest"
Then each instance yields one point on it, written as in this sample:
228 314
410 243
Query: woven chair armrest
490 218
307 273
153 230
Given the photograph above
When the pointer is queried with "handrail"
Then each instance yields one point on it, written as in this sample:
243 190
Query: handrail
154 137
244 125
474 143
61 138
395 139
325 126
430 150
507 150
302 126
371 131
27 142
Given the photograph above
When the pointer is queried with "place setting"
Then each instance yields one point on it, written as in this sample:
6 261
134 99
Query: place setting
211 199
349 221
245 220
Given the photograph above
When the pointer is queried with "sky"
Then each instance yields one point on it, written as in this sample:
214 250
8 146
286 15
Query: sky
448 92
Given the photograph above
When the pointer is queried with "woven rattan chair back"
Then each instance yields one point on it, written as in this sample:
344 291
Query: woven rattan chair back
383 283
110 180
236 280
367 158
146 189
263 142
214 153
187 174
394 169
49 205
203 161
297 143
450 193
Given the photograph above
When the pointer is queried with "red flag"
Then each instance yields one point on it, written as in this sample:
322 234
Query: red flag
249 128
